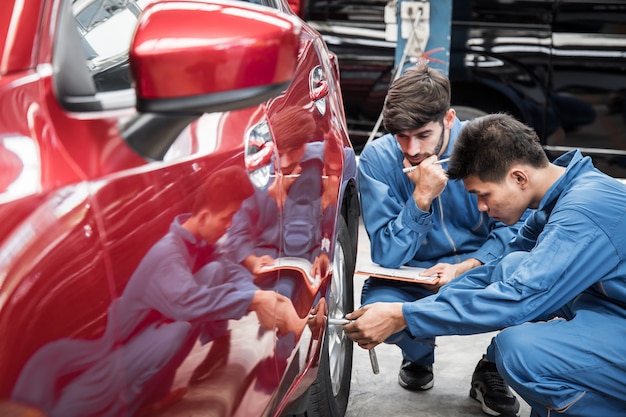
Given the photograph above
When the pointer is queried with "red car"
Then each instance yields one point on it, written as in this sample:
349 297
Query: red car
178 211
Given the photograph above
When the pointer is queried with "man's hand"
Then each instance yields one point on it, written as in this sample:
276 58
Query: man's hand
331 190
374 323
264 305
287 319
278 193
321 266
447 272
429 179
317 319
255 263
275 311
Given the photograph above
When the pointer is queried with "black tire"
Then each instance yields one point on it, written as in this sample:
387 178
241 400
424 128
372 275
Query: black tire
328 396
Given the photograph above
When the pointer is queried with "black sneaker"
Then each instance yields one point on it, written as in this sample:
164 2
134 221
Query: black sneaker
492 392
415 377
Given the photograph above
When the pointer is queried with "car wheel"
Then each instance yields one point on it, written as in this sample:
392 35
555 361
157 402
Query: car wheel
329 393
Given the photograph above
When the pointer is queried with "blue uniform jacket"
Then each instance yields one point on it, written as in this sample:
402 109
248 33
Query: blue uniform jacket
402 234
577 254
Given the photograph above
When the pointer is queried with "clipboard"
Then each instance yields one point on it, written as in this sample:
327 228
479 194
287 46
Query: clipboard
404 273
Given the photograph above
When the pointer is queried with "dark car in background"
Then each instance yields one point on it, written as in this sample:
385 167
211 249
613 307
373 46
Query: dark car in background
558 65
123 286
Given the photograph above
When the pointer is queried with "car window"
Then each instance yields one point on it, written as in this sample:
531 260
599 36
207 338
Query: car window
106 28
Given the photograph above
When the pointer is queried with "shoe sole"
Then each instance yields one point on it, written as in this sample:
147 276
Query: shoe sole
424 387
478 396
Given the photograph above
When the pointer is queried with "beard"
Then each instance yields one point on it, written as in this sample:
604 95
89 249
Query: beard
423 155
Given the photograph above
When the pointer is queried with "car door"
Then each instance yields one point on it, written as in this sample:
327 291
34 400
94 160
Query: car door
55 288
230 365
174 353
86 211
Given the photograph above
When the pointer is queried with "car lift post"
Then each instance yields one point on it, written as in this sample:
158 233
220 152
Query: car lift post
434 27
421 29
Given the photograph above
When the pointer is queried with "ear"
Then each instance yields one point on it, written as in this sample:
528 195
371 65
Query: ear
520 177
448 118
203 215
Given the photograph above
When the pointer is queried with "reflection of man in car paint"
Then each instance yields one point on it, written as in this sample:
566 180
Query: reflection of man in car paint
257 237
305 194
181 289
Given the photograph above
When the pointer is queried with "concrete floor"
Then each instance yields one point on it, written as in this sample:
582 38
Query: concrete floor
380 395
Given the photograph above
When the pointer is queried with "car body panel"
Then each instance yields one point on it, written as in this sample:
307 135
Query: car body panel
80 209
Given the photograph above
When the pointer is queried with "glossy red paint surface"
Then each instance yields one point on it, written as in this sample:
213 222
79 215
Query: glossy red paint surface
80 211
19 22
223 67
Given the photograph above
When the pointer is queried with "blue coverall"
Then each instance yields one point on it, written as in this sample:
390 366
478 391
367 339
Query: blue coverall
402 234
568 266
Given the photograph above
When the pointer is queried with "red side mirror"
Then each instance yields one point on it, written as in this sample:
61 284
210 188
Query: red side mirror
200 55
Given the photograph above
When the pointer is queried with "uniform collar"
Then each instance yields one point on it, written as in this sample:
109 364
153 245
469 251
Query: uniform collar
574 163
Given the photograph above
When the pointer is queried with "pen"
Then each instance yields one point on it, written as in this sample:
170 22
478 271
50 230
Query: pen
438 162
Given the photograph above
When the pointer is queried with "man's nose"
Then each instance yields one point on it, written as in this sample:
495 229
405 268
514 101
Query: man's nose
482 206
413 146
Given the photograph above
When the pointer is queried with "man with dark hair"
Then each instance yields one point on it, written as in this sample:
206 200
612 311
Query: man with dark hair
560 290
418 218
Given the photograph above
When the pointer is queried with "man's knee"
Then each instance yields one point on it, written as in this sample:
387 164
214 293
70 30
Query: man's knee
513 354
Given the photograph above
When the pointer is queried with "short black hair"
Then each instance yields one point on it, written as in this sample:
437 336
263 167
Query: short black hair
487 147
292 128
223 187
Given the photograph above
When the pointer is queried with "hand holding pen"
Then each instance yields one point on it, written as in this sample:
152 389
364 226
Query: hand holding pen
429 179
438 162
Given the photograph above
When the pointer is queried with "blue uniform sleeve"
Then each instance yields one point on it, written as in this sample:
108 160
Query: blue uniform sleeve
571 254
395 225
248 225
499 240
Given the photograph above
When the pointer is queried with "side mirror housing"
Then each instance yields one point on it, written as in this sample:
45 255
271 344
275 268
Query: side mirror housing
195 56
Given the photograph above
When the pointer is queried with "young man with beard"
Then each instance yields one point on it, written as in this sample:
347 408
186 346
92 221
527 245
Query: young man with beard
418 218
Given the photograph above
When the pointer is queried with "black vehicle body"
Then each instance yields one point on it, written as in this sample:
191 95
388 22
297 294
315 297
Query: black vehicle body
558 65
